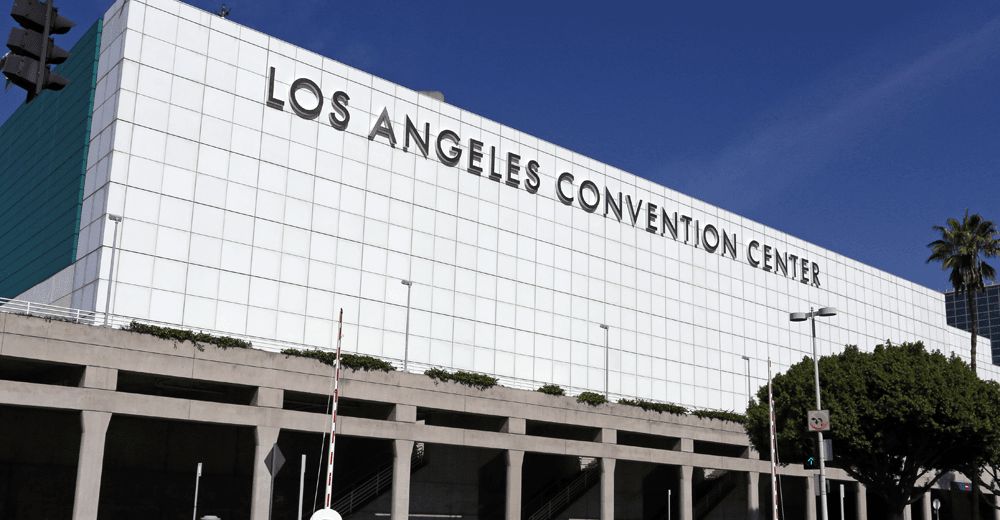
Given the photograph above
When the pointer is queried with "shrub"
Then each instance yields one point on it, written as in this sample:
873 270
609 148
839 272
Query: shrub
591 398
551 390
186 335
480 381
722 416
656 407
351 361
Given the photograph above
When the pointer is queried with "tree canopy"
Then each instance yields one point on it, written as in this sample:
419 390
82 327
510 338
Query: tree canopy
897 414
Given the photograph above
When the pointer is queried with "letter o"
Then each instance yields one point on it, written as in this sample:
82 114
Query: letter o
590 186
704 238
307 84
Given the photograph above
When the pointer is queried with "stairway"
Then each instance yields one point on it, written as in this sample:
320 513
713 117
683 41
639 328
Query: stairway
715 488
366 488
557 497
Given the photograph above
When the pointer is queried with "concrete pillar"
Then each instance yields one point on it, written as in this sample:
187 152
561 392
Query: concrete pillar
608 489
861 513
265 437
515 461
268 397
996 503
99 377
685 496
811 497
402 452
907 512
403 413
515 425
925 506
91 464
753 496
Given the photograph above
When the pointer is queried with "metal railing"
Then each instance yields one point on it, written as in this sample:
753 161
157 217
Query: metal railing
719 489
564 496
374 484
118 321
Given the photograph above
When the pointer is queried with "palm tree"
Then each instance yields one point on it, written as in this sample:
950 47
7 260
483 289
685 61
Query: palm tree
961 248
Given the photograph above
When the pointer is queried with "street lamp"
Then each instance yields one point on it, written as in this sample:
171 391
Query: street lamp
607 393
749 396
811 315
406 348
111 271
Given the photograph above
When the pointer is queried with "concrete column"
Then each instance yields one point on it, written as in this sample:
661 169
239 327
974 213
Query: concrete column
996 502
514 425
861 513
403 413
265 437
685 497
753 496
811 497
268 397
608 489
925 506
907 512
402 452
515 461
99 377
91 464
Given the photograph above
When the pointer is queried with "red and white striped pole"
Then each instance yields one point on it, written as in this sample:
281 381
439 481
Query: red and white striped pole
774 445
326 513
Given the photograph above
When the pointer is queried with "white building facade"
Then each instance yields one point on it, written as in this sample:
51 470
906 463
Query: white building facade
264 187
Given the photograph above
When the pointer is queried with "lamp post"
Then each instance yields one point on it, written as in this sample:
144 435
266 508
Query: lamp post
406 348
811 315
749 395
111 271
607 392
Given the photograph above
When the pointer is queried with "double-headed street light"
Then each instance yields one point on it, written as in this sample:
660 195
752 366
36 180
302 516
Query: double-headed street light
111 271
811 315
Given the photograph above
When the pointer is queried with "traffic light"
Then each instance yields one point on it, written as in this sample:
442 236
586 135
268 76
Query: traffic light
812 456
31 48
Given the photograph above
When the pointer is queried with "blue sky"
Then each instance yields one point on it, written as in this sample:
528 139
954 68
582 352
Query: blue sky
853 125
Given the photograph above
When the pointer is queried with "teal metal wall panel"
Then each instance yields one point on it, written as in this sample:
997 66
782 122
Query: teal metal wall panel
43 153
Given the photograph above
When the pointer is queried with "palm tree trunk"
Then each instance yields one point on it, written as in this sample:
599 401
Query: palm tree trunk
970 297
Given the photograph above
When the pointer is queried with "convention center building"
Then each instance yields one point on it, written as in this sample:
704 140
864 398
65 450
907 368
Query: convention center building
201 175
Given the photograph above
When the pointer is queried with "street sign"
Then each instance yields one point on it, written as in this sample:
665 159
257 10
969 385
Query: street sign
819 421
828 449
274 461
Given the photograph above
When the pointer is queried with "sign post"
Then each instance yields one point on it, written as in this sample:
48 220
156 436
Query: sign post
274 460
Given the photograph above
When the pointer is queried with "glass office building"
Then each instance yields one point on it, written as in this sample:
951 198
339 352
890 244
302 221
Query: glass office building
987 314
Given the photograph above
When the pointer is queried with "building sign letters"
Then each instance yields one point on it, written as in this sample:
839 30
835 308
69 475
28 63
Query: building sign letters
518 173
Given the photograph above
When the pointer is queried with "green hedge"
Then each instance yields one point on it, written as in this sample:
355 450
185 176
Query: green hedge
656 407
591 398
186 335
351 361
722 416
551 390
480 381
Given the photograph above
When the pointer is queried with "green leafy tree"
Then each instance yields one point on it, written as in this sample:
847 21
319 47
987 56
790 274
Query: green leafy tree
961 248
899 414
